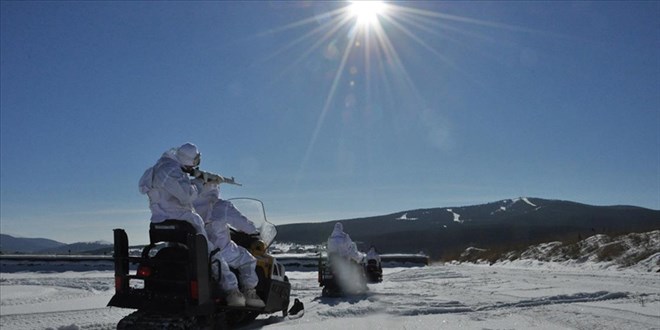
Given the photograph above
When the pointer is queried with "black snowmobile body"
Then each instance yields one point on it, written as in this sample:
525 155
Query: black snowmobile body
172 287
374 271
340 276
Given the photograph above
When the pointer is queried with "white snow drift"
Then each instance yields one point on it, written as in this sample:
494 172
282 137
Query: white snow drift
449 296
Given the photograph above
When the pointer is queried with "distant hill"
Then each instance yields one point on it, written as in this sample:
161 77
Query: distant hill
78 248
444 233
10 244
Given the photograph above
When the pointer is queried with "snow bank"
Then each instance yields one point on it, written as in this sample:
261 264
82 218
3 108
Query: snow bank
464 296
637 251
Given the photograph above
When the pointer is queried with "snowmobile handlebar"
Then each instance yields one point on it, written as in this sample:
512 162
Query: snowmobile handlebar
213 178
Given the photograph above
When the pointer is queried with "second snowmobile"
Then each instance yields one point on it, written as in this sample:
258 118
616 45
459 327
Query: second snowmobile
340 276
373 271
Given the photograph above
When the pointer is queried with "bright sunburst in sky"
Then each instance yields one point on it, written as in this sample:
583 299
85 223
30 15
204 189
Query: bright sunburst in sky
364 38
367 12
325 110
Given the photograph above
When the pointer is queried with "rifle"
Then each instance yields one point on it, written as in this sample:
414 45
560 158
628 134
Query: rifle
212 177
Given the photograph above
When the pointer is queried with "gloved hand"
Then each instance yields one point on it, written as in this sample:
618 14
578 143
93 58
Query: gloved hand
189 170
199 184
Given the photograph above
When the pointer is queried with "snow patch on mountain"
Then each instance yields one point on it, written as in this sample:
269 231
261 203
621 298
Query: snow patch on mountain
508 203
500 209
457 217
405 217
524 199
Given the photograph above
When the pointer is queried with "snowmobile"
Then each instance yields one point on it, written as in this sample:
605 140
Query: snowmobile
339 276
173 288
374 271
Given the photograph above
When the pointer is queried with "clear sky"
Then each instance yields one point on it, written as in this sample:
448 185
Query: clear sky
432 104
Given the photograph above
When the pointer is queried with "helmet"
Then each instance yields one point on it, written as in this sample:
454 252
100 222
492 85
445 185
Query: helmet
188 155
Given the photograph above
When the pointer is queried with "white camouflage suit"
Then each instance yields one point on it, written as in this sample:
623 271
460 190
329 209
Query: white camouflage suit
373 255
218 214
171 194
340 243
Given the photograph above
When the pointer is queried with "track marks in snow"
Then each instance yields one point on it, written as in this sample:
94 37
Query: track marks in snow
602 315
38 295
93 319
561 299
91 283
445 290
52 292
429 307
421 274
415 291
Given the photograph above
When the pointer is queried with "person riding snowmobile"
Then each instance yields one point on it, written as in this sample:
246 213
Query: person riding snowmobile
171 194
345 265
373 267
340 243
218 214
372 254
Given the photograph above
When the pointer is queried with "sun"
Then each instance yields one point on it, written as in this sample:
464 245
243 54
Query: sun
358 45
367 12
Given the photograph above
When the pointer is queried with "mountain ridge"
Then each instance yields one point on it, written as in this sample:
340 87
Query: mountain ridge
11 244
440 232
444 232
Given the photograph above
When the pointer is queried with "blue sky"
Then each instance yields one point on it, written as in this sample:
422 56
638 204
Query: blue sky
436 104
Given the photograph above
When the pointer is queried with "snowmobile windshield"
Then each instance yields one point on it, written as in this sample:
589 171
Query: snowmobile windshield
254 210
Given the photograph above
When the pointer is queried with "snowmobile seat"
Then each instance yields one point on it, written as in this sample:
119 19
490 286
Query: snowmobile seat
171 231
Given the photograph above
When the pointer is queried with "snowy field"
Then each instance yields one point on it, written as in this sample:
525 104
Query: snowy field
451 296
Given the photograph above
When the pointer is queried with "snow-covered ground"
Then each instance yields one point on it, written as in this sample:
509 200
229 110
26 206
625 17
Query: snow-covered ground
441 296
